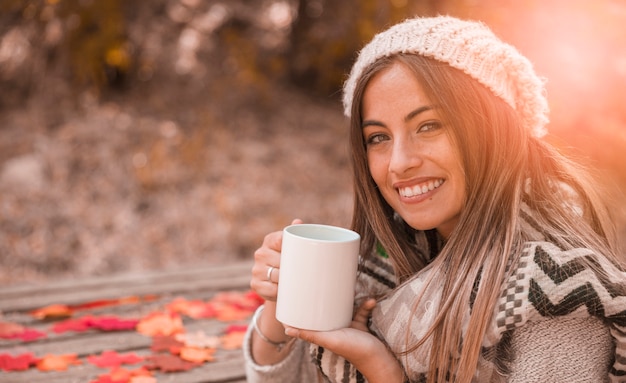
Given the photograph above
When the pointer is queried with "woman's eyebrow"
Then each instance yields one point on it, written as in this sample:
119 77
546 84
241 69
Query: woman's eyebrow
418 111
367 123
407 118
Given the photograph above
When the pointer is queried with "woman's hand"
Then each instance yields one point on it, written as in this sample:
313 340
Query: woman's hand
356 344
264 281
266 268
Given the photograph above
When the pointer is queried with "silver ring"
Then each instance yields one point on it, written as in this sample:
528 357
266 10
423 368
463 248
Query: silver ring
269 273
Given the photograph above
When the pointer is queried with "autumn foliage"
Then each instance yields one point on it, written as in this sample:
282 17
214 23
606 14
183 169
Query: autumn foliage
173 348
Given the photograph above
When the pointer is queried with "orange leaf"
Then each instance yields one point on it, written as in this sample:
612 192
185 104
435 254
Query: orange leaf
57 362
233 340
197 355
142 379
229 313
194 309
8 329
105 303
113 359
160 324
122 375
50 312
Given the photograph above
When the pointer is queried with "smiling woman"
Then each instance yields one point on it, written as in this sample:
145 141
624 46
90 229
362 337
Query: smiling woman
410 154
478 237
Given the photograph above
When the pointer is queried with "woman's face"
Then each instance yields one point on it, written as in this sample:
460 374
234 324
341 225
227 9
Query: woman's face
409 151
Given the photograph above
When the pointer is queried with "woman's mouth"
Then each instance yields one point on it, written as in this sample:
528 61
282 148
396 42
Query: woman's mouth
412 191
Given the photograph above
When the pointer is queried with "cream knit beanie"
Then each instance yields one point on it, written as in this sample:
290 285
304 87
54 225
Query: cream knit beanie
471 47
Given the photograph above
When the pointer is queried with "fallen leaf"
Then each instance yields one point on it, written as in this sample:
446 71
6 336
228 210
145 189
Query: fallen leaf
142 379
169 363
17 363
7 329
160 323
105 303
231 313
113 359
52 312
10 330
77 325
166 343
233 340
106 378
236 328
247 300
112 323
57 362
197 355
198 339
195 309
122 375
88 322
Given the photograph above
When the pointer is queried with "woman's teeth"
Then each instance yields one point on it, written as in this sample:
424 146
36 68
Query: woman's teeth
420 189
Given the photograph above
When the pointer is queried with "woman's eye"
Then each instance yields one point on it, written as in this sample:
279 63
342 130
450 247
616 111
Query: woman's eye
376 139
429 126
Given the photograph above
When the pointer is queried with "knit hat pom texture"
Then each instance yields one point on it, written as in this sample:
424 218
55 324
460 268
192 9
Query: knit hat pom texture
469 46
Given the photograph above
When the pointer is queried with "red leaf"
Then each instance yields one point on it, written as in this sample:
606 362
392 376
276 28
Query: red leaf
236 328
17 363
79 325
112 323
10 330
16 331
104 323
169 363
166 343
113 359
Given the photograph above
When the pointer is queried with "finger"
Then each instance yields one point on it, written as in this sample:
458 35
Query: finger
272 274
363 314
296 221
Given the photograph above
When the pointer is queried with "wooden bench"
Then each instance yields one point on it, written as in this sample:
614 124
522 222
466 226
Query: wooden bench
200 283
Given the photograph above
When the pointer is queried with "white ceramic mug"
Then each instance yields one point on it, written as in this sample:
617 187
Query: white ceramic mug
318 267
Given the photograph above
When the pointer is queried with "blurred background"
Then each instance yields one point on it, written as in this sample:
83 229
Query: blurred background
149 135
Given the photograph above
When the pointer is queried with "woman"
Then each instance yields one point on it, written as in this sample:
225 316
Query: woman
487 256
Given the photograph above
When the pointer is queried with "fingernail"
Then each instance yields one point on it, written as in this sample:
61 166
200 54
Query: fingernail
290 332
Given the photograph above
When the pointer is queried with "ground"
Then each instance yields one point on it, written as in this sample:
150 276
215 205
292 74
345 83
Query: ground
118 185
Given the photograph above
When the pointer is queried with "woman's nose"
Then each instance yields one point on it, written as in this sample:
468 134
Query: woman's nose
404 156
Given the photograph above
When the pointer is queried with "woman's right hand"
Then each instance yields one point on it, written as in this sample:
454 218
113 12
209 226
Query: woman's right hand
264 281
266 268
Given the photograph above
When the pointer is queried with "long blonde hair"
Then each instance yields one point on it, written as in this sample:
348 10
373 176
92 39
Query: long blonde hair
504 167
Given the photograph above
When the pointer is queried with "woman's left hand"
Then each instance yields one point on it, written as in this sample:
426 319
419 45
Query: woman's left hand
356 344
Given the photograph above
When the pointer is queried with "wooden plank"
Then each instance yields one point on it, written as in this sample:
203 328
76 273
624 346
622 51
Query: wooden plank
230 368
193 273
196 283
91 343
211 279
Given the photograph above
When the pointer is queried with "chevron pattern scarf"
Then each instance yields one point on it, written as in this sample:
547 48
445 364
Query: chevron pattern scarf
551 290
